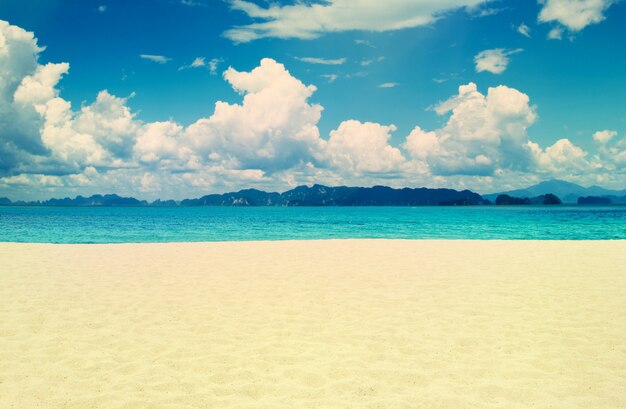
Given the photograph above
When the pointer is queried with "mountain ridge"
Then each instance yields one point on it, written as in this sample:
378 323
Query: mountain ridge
316 195
320 195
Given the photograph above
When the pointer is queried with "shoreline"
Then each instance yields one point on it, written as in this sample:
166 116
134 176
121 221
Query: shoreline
357 240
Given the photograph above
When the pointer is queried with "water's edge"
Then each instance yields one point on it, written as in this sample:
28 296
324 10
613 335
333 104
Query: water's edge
217 224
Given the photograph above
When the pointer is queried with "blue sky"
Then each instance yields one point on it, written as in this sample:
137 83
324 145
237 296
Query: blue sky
381 75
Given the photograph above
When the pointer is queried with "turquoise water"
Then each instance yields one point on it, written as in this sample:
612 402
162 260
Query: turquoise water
187 224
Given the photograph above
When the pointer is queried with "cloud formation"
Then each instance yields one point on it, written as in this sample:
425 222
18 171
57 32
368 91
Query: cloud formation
524 30
200 62
484 134
311 20
274 128
494 61
575 15
322 61
604 137
270 139
159 59
362 148
19 123
555 33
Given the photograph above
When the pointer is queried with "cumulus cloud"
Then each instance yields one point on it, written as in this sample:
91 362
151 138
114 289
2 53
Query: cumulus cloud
270 139
159 59
101 133
274 128
483 134
563 158
486 139
311 20
575 15
604 137
363 148
494 61
160 142
19 121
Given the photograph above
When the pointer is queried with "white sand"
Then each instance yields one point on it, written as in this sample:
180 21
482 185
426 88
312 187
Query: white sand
330 324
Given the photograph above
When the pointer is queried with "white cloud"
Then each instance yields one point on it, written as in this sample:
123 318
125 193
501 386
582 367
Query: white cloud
524 30
269 140
483 134
574 14
562 159
192 3
364 42
330 77
358 74
50 135
365 63
101 134
306 21
555 34
486 135
213 64
20 140
159 142
604 137
487 12
110 122
388 85
159 59
323 61
40 87
445 77
275 127
200 62
356 147
494 61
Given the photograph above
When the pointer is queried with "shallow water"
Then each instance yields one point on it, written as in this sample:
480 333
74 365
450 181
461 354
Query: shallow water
189 224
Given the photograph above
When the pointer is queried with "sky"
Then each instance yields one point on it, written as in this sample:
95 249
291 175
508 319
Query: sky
180 98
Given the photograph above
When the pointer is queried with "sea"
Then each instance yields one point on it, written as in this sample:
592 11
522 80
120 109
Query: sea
195 224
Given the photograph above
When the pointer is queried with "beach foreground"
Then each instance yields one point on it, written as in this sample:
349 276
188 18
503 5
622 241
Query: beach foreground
314 324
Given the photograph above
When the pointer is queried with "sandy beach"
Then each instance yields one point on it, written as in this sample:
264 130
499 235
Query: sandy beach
314 324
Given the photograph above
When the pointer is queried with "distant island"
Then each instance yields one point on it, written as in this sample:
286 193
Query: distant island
567 192
319 195
547 199
316 195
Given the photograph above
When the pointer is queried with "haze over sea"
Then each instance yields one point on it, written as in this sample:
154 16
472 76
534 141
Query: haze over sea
194 224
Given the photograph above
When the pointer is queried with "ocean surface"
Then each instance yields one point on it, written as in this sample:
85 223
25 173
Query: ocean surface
189 224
